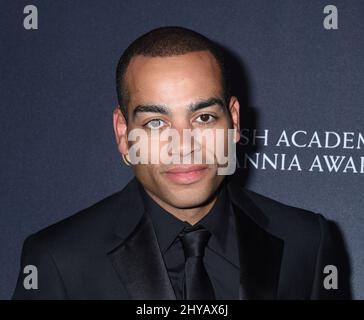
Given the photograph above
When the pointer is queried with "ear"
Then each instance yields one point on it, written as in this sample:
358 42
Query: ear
120 130
234 108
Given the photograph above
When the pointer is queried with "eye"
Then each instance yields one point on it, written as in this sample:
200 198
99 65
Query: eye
155 124
205 118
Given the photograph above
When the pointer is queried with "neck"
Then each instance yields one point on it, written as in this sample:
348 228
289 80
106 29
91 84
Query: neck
191 215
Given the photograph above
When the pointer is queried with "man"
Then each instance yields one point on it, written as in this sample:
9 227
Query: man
179 231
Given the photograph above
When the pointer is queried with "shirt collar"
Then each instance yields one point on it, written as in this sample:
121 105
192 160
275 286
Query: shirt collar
217 220
167 226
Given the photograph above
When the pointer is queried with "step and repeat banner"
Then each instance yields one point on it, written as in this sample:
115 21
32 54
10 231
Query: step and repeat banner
298 73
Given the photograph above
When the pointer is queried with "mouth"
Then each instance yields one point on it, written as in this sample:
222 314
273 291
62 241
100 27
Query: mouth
186 174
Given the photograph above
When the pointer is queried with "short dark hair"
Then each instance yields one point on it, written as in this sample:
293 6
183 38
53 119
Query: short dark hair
164 42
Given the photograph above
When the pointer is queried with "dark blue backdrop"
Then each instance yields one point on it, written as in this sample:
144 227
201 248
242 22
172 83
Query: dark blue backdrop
57 95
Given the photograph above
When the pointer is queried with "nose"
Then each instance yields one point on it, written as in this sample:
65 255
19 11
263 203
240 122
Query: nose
185 144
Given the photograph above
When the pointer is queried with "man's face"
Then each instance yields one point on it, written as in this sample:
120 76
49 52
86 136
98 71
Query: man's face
177 92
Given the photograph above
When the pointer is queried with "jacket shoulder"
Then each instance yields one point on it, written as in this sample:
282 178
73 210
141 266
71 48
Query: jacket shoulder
286 220
91 225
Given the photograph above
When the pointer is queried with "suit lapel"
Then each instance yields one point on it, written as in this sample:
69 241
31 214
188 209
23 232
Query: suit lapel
260 252
138 260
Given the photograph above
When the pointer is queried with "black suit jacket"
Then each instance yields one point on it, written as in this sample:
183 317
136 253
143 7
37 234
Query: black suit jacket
110 251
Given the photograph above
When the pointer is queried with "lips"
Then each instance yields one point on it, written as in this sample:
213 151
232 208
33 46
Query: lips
186 174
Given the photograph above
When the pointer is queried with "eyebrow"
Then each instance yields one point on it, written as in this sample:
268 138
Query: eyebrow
207 103
193 107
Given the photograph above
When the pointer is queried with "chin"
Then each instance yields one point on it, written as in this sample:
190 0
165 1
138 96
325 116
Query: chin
189 196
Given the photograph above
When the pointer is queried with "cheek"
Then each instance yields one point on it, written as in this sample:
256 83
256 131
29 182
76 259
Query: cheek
159 150
216 144
146 174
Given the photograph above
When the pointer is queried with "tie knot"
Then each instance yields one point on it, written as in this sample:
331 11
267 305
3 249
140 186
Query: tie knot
194 240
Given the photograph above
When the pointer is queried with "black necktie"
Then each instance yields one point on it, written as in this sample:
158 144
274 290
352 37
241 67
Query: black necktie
197 285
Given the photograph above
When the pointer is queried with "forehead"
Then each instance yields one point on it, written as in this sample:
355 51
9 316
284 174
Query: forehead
173 80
